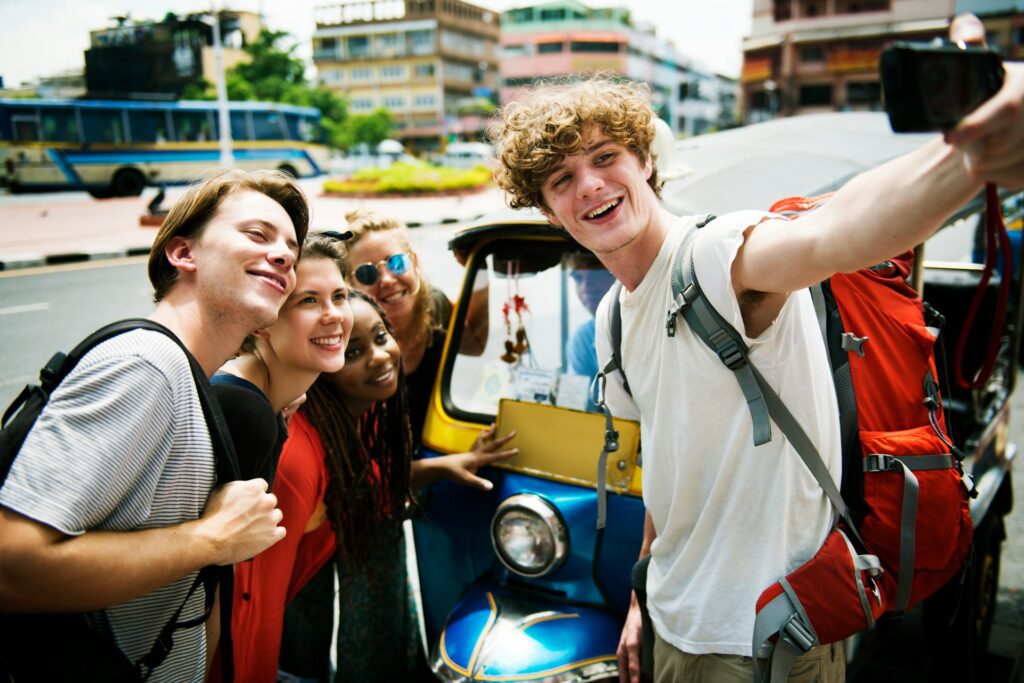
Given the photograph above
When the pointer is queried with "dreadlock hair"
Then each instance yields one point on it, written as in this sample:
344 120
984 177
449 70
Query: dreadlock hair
368 457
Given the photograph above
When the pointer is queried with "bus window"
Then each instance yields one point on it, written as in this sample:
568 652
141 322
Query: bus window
26 129
294 123
240 125
148 126
311 130
268 125
193 126
59 125
103 126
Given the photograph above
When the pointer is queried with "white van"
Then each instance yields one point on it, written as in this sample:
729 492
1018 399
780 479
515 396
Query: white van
467 154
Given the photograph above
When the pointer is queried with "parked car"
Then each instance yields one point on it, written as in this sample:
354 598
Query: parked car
518 583
467 155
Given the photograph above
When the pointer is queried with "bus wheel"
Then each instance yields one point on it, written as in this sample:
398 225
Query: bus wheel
289 169
128 183
101 192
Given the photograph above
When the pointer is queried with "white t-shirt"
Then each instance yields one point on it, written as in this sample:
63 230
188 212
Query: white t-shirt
123 445
731 518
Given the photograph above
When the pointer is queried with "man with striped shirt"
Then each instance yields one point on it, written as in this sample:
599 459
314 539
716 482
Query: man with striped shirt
109 507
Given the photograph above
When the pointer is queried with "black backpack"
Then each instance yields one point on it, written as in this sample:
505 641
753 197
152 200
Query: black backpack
64 647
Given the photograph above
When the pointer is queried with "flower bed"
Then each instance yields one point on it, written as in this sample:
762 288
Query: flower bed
404 179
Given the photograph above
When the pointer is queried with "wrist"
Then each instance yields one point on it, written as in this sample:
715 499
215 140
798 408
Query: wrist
204 545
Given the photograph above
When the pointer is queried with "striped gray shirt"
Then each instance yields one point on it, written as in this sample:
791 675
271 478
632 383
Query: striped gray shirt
123 445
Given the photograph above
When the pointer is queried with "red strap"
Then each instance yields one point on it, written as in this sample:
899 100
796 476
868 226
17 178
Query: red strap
994 226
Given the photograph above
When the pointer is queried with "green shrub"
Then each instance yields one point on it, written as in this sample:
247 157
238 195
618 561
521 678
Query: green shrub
410 178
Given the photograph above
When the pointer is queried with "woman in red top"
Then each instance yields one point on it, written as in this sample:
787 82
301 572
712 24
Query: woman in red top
342 482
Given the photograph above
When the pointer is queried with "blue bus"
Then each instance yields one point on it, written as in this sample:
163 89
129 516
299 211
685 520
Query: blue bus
117 148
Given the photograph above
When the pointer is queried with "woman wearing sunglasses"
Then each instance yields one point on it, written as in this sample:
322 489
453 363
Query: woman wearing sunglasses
383 264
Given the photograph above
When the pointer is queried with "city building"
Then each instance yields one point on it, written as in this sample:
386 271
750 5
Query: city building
159 59
1004 24
431 63
564 38
68 84
807 56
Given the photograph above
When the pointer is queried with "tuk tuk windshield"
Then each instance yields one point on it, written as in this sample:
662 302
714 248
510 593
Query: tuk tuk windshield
537 301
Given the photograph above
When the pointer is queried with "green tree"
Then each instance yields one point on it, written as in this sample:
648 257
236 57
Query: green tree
370 128
272 70
274 74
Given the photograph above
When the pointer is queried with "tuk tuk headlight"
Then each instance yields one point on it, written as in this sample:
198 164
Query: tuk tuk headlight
529 535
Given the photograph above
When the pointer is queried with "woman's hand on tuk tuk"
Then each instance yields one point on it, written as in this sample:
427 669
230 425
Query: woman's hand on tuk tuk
629 644
462 467
487 450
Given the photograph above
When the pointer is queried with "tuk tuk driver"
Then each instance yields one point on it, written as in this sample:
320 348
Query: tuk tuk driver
722 524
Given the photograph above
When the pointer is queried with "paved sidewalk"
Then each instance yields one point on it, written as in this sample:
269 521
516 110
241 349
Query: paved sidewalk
46 229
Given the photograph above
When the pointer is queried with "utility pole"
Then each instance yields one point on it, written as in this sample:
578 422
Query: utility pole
227 157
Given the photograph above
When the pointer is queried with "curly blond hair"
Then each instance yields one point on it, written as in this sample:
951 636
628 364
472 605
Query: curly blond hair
537 132
362 221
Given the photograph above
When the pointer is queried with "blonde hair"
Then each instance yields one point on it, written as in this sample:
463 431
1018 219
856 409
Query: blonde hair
363 221
191 213
537 132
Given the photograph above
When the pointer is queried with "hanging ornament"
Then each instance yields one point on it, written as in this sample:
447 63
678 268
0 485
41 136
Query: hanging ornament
514 305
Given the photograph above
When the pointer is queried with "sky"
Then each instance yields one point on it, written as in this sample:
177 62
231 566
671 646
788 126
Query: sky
44 37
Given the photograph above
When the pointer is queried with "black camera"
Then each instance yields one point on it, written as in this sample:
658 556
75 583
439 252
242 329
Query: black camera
931 88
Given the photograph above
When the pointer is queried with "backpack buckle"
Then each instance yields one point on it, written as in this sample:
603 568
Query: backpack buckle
611 440
879 462
732 355
680 302
797 634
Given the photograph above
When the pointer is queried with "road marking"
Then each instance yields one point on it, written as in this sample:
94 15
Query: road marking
26 308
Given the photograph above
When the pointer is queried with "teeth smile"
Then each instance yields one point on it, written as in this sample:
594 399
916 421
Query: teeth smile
327 341
603 208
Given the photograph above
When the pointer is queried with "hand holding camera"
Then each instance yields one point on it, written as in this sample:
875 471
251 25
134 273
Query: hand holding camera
965 92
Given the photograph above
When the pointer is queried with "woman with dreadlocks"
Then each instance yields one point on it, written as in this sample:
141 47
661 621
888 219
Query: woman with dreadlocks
360 416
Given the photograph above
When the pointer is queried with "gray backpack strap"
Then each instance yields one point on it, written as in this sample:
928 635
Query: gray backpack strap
690 301
721 337
597 394
615 330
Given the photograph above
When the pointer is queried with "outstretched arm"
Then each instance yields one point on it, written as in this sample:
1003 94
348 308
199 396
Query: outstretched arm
43 570
462 467
878 214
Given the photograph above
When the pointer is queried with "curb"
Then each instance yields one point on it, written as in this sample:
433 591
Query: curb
32 260
445 221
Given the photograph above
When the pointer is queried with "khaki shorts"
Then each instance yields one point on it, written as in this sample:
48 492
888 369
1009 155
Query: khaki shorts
822 664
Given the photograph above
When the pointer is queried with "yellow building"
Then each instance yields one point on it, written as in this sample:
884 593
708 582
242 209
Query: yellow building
431 63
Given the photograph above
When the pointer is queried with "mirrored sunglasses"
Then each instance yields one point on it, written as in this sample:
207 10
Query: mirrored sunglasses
368 273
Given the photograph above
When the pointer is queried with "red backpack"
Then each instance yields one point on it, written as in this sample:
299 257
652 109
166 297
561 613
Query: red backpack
904 525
